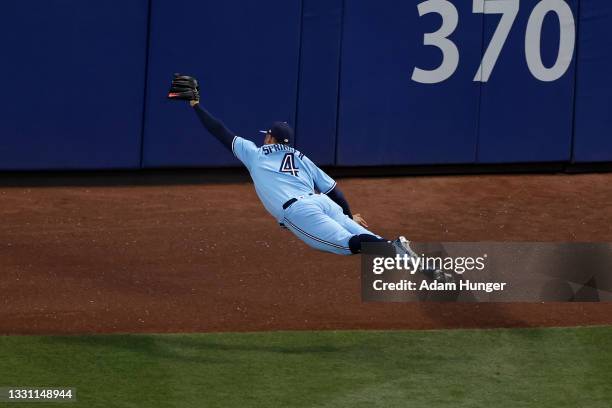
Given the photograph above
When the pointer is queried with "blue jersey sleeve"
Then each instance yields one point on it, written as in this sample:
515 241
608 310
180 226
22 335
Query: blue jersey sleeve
321 180
245 150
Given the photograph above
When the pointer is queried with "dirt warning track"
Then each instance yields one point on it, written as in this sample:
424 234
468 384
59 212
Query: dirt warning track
207 257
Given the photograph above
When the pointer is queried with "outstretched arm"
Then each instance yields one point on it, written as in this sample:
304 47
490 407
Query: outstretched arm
186 88
214 125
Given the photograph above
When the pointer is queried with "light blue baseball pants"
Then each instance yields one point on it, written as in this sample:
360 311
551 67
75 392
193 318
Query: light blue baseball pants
320 223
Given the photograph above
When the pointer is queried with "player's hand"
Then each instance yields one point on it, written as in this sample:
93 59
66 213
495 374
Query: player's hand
184 88
359 220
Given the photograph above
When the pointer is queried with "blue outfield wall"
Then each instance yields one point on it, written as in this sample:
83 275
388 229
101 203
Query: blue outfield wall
245 55
72 74
318 79
593 124
391 82
388 118
526 113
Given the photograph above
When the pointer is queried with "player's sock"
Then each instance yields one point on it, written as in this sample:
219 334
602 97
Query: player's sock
356 240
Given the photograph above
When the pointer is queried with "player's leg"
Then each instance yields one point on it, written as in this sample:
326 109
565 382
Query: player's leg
399 245
307 219
360 233
335 212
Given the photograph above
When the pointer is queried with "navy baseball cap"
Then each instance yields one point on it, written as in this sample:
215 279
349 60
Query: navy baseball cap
281 131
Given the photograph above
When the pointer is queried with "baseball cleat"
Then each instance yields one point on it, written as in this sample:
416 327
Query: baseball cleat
402 247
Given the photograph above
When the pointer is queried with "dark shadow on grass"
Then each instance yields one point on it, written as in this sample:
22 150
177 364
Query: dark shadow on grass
138 344
164 346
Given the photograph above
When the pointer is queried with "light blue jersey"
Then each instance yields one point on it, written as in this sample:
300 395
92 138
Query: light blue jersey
280 173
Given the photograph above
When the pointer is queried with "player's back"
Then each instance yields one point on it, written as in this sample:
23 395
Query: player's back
280 173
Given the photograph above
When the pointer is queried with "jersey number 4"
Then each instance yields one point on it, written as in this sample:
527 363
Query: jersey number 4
288 165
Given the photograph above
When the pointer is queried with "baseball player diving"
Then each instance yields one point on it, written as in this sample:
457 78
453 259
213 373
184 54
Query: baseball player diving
287 182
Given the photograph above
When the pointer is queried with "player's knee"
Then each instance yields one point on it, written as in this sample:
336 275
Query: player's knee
355 244
356 241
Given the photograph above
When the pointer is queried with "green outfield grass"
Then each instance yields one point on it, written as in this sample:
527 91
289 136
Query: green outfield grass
460 368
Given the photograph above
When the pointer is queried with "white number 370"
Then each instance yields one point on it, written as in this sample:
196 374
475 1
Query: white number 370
509 10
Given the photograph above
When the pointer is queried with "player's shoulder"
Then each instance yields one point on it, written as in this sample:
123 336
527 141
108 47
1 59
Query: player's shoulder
245 146
242 141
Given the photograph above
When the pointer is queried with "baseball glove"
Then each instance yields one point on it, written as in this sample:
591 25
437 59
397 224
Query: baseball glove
184 88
